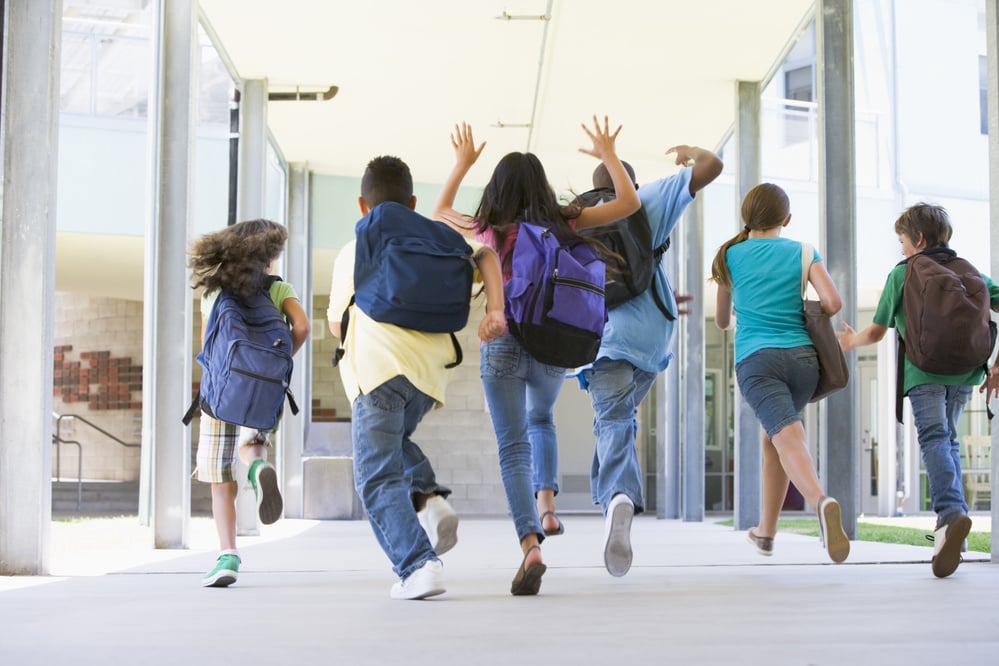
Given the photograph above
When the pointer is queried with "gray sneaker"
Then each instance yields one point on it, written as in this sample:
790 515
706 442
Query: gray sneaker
764 545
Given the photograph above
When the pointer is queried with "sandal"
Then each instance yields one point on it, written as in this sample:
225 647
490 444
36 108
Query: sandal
555 532
528 580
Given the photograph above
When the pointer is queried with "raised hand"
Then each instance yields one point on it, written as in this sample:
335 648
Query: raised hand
682 153
602 138
465 151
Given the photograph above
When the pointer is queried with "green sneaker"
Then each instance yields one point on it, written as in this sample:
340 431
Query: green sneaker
263 479
225 572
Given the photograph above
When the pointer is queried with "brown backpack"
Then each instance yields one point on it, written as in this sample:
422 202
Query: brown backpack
948 328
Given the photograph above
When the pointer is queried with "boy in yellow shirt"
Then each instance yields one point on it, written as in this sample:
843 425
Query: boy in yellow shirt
393 377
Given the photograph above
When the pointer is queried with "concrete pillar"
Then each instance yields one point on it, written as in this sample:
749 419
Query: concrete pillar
252 150
668 419
30 102
693 364
168 315
748 454
992 48
252 204
840 463
299 274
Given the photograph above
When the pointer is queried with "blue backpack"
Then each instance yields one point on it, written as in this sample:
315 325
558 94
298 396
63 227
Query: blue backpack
412 272
246 361
554 300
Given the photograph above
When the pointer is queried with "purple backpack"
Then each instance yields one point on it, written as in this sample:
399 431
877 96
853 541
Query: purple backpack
554 300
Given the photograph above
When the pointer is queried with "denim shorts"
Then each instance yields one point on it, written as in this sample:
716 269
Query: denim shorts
777 384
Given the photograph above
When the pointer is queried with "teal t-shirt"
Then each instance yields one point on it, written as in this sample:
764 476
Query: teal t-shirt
766 294
890 315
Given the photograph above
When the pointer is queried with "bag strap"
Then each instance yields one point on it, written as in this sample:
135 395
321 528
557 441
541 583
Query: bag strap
806 263
338 354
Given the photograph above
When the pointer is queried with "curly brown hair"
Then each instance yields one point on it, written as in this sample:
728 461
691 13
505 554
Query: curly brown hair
236 258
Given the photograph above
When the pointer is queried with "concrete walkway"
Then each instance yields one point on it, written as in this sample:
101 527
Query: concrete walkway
317 593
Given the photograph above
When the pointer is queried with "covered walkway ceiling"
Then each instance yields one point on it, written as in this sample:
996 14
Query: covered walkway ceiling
408 70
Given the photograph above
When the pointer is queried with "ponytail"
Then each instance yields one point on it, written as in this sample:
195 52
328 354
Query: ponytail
719 267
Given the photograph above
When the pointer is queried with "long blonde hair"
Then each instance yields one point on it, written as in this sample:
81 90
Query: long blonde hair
766 206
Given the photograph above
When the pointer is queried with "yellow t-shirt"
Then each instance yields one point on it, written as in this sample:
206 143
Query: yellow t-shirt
375 352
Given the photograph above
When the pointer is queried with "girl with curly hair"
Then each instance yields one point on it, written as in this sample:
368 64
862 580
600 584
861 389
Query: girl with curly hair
239 259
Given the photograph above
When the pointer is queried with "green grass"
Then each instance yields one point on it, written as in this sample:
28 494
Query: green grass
909 536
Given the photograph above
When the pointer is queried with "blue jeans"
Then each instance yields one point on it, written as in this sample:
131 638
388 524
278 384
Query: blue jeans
389 467
936 410
616 389
521 393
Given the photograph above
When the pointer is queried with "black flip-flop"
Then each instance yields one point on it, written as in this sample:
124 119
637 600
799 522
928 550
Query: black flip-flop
555 532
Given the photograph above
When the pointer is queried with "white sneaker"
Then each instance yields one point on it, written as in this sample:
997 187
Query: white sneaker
947 541
617 535
427 581
440 522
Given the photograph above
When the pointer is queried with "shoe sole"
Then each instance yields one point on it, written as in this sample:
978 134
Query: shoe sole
223 578
432 592
270 505
617 550
529 583
835 539
447 534
947 560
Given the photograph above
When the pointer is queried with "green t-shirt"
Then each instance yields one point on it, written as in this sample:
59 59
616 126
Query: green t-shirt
279 292
890 315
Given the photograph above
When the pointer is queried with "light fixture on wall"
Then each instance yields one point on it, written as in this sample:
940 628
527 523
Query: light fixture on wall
308 95
502 125
523 17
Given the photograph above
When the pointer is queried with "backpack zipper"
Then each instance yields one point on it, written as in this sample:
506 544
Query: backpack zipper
579 284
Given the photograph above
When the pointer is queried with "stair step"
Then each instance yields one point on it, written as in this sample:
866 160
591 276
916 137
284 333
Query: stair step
116 498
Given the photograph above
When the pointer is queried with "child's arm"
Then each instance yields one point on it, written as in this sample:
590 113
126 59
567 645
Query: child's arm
626 199
707 166
494 323
466 155
819 278
299 320
849 338
723 307
991 385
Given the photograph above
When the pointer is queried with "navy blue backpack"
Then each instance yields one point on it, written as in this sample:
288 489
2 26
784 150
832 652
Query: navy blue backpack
246 361
412 272
554 301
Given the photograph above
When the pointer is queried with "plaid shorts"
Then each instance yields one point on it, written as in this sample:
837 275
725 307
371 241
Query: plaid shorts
218 443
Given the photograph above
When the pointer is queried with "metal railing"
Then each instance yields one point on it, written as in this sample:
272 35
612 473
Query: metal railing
58 441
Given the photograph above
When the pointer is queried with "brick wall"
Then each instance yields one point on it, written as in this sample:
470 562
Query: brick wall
98 358
97 375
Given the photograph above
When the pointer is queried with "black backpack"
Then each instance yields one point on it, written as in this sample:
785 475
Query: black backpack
630 239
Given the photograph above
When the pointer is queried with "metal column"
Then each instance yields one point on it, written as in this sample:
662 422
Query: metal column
992 49
30 102
299 273
168 316
748 455
693 364
668 421
252 150
251 196
839 452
